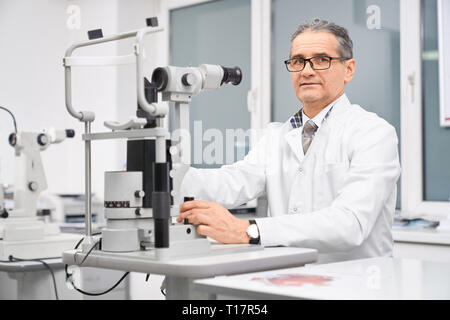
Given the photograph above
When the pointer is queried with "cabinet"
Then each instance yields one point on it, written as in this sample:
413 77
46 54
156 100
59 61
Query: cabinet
426 244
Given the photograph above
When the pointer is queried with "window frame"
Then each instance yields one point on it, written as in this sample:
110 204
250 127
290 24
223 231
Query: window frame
259 96
413 203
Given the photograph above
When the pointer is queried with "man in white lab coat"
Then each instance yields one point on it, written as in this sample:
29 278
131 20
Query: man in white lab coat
329 172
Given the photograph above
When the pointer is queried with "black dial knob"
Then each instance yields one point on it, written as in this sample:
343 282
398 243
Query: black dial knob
70 133
42 139
188 79
139 194
12 139
4 214
33 185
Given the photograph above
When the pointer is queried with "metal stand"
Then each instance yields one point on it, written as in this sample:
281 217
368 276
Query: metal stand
88 241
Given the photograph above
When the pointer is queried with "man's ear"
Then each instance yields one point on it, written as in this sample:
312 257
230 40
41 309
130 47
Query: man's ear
350 66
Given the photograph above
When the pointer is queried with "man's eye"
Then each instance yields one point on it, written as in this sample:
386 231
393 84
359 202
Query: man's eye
297 61
323 59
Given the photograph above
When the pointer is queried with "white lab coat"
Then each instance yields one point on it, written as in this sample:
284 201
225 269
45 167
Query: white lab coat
339 198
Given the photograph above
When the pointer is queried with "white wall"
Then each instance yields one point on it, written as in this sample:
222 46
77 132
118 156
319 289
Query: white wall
131 16
34 35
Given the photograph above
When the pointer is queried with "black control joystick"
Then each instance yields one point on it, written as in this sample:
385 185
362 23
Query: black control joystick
186 221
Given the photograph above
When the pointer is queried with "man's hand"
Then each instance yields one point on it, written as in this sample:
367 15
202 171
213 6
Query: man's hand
214 221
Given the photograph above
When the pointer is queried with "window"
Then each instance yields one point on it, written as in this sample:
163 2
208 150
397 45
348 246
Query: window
193 30
425 173
436 139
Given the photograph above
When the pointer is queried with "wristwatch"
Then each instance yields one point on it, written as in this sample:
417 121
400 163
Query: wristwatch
253 233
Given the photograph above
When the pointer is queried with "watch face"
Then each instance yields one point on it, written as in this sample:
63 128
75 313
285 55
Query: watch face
252 231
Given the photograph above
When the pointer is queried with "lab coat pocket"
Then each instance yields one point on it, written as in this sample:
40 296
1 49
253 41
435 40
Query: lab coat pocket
329 179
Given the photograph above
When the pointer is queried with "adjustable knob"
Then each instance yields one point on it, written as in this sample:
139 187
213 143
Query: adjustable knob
33 185
4 214
139 194
70 133
12 139
44 213
42 139
188 79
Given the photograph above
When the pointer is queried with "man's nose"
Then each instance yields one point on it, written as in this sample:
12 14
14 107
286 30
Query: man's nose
308 70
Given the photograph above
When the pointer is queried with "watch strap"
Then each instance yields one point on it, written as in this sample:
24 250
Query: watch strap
254 240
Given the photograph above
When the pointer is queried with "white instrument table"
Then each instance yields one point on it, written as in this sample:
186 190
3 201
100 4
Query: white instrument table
31 280
180 273
427 236
23 266
375 278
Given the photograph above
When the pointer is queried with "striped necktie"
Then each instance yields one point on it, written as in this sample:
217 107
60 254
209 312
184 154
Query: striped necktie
309 130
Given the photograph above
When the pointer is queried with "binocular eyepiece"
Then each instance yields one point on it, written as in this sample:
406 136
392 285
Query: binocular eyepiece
161 77
232 75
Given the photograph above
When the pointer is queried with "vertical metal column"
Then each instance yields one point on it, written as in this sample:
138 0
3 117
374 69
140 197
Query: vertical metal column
87 244
182 125
181 140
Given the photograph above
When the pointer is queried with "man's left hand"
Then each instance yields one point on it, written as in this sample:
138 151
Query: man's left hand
214 221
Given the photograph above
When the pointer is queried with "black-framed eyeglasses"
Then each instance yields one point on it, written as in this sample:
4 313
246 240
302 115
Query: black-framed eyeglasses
297 64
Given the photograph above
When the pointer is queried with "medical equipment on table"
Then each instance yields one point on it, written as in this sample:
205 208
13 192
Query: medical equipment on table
22 232
141 201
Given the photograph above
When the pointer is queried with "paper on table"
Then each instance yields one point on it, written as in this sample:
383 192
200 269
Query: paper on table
294 279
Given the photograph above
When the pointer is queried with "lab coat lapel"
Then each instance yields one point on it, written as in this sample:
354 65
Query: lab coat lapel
322 135
294 137
294 140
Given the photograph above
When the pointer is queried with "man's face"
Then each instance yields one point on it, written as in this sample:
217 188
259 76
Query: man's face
319 87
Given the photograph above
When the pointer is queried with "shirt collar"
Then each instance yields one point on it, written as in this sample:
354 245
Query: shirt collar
299 118
319 117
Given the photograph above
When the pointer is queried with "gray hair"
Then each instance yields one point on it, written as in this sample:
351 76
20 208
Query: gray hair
345 44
